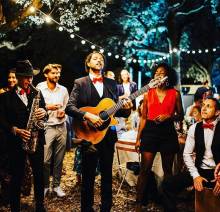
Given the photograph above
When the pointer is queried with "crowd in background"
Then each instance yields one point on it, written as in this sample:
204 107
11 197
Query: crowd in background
146 119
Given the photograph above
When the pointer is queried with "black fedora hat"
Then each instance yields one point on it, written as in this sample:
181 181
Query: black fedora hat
25 68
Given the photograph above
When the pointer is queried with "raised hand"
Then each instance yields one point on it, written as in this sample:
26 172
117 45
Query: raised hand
127 103
40 113
53 106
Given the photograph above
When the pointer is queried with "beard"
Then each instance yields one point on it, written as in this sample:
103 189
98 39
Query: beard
54 80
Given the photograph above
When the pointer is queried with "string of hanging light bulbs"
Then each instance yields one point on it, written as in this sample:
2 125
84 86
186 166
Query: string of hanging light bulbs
48 19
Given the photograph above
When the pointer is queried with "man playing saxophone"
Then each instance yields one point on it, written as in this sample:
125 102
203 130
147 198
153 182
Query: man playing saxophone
15 109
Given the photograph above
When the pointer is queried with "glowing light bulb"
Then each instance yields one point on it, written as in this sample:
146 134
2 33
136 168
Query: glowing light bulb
60 29
32 9
48 19
83 42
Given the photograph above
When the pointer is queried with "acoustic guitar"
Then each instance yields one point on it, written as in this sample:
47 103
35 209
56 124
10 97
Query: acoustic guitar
105 110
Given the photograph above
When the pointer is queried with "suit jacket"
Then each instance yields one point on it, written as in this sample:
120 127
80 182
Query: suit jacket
81 97
14 112
133 88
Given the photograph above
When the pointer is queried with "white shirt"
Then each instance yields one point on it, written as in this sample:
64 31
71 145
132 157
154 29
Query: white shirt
98 85
59 95
188 153
127 88
187 116
23 97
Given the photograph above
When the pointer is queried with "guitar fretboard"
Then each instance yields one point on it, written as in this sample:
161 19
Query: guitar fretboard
133 96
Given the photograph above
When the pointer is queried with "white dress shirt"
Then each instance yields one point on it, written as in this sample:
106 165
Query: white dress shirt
23 97
127 88
98 85
189 155
59 95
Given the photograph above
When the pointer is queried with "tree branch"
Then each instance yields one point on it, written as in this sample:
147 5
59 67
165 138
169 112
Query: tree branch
177 6
151 50
9 45
14 18
191 12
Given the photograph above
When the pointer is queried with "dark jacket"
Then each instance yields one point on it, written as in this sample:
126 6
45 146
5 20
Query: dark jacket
14 112
81 96
133 88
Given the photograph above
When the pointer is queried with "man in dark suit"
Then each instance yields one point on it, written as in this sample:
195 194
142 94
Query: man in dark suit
15 108
89 91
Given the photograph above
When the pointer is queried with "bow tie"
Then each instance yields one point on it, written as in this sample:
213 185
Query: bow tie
23 91
100 79
208 125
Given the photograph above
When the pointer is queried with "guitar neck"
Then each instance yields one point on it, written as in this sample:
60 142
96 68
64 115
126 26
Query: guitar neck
133 96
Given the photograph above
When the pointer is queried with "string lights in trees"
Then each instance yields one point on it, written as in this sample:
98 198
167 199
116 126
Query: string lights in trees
48 19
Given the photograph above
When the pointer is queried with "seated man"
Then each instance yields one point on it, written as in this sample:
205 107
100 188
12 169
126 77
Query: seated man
204 140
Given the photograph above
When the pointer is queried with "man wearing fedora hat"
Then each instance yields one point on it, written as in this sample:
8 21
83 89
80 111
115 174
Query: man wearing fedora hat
15 107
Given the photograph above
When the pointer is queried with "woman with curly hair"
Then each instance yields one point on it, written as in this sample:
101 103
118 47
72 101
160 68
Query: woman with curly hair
161 107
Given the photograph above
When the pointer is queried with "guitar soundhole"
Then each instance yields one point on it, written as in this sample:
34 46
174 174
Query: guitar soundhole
104 116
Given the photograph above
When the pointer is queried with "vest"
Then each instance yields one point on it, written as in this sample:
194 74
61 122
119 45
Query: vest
200 144
95 95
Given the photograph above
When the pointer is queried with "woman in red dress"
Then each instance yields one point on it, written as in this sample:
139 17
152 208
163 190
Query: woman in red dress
161 107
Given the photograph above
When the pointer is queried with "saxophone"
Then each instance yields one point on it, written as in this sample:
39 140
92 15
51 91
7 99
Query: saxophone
33 125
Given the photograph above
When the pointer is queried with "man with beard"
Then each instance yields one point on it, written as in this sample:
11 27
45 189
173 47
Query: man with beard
56 97
89 91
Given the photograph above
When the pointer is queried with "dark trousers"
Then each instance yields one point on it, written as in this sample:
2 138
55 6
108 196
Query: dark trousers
17 160
172 186
105 152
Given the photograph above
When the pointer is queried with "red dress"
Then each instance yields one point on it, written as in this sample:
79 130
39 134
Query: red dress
160 137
